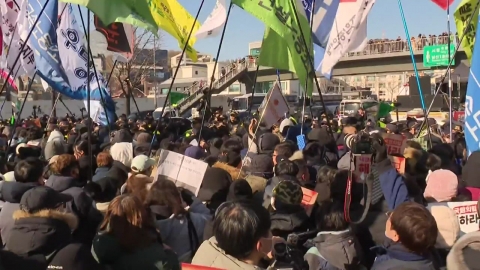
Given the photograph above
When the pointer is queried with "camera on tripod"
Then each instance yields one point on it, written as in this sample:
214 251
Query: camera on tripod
359 144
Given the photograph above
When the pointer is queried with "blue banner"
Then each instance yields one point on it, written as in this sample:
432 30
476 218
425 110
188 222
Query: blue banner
323 19
472 107
49 66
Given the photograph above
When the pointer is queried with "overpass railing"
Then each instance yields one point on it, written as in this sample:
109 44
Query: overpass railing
384 47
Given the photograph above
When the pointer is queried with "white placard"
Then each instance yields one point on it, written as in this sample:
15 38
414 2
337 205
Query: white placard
184 171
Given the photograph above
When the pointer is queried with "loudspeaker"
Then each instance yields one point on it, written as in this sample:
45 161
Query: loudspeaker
424 83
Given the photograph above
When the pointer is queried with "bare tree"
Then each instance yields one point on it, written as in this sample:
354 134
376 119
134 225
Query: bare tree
130 75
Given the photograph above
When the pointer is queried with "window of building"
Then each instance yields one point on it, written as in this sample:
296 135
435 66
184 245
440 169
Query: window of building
164 91
234 88
283 84
196 72
263 87
371 78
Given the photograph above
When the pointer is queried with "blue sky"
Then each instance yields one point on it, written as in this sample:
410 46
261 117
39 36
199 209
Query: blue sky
384 21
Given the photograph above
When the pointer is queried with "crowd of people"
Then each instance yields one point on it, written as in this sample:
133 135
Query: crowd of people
383 45
62 208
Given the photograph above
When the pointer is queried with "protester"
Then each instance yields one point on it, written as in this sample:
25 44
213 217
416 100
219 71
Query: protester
180 217
262 193
128 239
42 232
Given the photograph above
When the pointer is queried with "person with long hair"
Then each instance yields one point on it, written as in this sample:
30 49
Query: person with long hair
129 240
182 229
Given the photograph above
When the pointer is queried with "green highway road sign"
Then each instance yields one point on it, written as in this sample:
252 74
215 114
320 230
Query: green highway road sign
437 55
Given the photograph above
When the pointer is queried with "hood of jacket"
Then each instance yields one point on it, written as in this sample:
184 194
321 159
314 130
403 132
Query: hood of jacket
209 254
464 253
55 135
42 232
290 218
61 183
340 249
12 192
257 183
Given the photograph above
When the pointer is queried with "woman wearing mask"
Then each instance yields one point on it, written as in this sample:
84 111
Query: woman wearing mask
182 229
128 239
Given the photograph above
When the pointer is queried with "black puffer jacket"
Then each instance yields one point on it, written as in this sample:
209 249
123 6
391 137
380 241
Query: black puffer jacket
11 193
45 237
81 205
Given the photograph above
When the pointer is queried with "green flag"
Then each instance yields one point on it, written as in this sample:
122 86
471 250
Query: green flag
384 109
283 46
134 12
175 97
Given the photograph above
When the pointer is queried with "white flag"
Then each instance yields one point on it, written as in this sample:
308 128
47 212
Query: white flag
13 20
214 23
274 106
74 57
348 32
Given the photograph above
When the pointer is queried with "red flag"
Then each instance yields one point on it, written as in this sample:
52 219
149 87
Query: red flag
443 3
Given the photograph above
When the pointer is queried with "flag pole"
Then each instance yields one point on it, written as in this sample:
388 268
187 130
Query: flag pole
208 96
306 83
90 120
412 56
450 109
438 90
9 94
110 75
90 54
19 114
310 62
155 69
22 47
175 75
250 104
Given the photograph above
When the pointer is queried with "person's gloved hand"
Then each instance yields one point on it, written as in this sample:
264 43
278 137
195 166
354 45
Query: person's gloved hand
378 144
187 196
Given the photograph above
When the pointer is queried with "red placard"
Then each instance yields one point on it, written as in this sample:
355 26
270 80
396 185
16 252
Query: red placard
309 199
395 143
187 266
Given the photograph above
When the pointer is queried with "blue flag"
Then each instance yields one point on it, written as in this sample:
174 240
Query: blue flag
472 107
50 67
323 18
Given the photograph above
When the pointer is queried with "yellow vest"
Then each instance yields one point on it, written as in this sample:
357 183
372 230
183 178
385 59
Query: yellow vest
188 133
293 120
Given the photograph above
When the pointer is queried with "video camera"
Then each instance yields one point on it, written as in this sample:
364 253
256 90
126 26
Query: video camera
289 255
359 144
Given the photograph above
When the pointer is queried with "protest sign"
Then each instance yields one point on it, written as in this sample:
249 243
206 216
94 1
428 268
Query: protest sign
184 171
467 215
363 167
309 199
395 143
